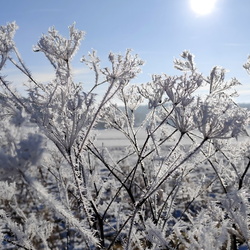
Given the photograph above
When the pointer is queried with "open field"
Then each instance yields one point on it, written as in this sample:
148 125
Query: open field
114 138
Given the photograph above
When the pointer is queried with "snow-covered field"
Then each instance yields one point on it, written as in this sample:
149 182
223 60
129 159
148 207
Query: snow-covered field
114 138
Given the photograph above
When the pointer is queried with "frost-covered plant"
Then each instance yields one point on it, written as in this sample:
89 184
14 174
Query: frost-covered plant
185 185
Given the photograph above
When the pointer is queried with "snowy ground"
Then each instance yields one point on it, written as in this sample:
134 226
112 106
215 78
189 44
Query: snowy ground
114 138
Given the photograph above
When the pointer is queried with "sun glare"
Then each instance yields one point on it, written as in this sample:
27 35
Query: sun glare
202 7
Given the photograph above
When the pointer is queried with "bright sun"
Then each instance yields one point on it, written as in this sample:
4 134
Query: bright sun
202 7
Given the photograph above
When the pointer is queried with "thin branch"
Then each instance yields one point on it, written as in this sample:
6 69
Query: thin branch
243 175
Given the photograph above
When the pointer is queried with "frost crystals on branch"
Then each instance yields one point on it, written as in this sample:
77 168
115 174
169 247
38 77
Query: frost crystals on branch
180 181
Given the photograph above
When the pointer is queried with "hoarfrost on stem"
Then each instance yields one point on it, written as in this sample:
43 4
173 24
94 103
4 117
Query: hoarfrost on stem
184 184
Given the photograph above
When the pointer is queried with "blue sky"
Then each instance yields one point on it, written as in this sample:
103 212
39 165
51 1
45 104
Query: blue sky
157 30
